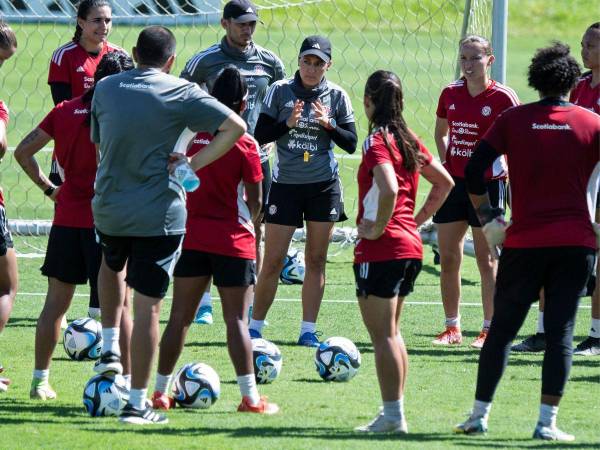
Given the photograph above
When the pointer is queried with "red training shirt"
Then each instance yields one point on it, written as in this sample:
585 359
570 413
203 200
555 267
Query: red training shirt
468 119
3 118
218 219
76 158
586 96
400 239
552 152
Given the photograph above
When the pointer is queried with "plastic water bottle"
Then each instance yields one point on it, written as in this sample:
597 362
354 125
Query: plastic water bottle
186 176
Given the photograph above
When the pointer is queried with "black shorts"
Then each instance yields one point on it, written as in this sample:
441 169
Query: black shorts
150 260
266 183
458 206
6 241
291 204
386 279
227 271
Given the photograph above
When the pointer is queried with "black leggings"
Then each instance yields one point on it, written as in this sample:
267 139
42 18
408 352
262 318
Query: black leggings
563 272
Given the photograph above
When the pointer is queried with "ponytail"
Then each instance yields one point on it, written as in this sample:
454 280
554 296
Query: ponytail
230 88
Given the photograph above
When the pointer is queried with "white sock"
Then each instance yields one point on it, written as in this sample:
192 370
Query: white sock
548 415
393 410
41 375
247 384
595 328
307 327
94 313
481 409
127 379
110 340
453 321
257 325
206 300
540 323
163 382
137 398
486 324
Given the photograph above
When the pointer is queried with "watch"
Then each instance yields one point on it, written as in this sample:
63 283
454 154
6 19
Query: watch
332 123
49 191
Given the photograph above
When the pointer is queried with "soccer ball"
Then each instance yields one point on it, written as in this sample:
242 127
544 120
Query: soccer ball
293 267
105 396
83 339
337 359
196 385
267 361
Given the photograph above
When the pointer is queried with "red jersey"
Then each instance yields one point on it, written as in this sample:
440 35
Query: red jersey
400 239
218 219
72 64
3 118
553 151
468 119
76 158
586 96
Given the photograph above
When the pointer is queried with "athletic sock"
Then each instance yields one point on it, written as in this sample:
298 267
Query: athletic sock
486 324
453 321
127 379
481 409
595 328
41 375
206 299
307 327
393 410
163 382
257 325
247 384
137 398
540 323
548 415
110 340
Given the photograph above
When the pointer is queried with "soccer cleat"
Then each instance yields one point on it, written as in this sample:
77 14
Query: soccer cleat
162 401
479 341
473 425
450 336
204 315
381 424
551 433
41 390
535 343
263 407
142 416
4 383
589 347
309 339
254 334
109 363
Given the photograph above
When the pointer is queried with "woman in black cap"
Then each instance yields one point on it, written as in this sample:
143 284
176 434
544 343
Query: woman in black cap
307 116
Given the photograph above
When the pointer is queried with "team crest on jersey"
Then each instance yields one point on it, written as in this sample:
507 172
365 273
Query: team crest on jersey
486 111
272 210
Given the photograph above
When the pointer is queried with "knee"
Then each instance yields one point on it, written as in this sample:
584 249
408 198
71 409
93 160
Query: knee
316 263
450 261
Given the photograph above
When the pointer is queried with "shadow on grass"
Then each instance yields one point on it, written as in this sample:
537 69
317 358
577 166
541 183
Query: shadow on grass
22 322
522 443
433 270
12 411
309 380
588 379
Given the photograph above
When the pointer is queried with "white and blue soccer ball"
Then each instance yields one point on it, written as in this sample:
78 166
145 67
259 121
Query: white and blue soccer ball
82 339
337 359
267 361
196 385
293 267
105 396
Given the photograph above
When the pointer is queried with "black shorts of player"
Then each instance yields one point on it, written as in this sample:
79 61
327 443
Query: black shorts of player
6 241
73 256
291 204
458 206
227 271
266 183
386 279
150 260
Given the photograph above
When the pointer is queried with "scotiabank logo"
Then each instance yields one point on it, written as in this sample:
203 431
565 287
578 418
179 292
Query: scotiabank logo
550 126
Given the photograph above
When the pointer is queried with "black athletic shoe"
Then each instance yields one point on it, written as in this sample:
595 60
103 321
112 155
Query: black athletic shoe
141 416
589 347
534 344
109 363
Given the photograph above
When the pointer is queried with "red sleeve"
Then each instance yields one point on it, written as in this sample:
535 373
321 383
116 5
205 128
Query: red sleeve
251 168
59 73
496 134
377 153
441 108
47 125
3 112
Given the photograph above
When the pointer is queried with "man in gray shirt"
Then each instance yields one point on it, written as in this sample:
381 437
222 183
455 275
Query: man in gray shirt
139 208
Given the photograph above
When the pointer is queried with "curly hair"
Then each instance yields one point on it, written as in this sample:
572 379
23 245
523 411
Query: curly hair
553 71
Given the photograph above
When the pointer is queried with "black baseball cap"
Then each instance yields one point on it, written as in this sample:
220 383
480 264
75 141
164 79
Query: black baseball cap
318 46
240 11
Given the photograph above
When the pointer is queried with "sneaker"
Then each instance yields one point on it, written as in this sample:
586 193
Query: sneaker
141 416
204 315
381 424
63 323
451 336
162 401
254 334
109 363
4 382
589 347
263 407
478 342
473 425
551 433
535 343
41 390
309 339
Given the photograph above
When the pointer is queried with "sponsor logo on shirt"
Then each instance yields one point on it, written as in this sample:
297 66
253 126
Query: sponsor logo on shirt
461 152
81 111
452 107
134 85
462 130
550 126
465 124
297 145
80 69
201 141
486 111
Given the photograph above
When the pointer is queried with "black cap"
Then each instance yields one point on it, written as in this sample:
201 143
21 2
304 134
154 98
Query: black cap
240 11
318 46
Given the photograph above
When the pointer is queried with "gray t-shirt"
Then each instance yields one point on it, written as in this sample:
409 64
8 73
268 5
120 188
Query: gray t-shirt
305 153
259 66
137 117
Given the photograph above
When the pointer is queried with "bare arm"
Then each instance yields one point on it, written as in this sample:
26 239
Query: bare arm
230 131
441 183
385 178
3 141
253 198
441 137
25 156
